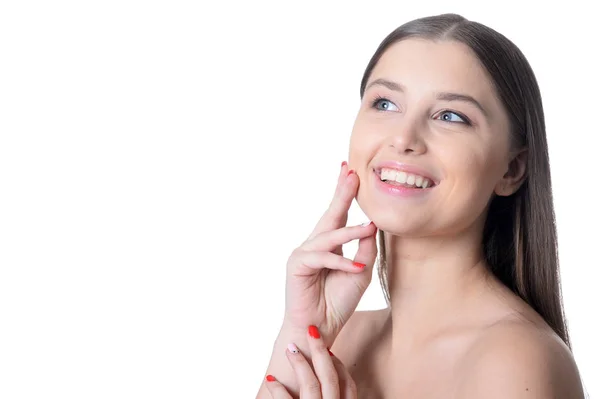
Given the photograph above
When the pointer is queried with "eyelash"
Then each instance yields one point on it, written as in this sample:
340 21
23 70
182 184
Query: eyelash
379 98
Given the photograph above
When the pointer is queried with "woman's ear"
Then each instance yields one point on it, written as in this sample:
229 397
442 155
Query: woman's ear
514 176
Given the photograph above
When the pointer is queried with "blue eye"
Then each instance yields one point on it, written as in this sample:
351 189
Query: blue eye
462 118
379 99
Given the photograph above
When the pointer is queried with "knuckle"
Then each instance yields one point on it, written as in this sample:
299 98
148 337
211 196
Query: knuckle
362 284
297 255
331 377
312 388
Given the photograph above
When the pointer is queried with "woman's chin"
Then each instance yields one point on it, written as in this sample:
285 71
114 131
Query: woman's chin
407 230
400 224
397 220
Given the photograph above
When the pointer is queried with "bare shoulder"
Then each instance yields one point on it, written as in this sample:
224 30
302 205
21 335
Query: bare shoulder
518 358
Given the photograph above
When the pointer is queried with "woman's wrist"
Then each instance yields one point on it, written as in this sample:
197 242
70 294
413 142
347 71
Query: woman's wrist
279 365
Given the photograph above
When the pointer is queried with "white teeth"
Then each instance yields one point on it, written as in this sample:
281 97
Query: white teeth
405 178
401 177
388 174
419 181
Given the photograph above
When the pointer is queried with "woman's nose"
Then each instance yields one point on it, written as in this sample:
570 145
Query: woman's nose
408 137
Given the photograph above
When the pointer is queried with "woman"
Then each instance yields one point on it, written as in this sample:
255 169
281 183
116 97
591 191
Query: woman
448 158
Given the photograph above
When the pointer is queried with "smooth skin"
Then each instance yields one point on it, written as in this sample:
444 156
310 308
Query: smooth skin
322 287
452 330
324 377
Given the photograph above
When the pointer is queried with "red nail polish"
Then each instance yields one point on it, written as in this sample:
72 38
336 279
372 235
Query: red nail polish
270 378
344 164
330 352
313 331
351 171
361 265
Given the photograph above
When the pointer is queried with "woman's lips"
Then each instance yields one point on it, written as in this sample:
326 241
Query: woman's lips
410 169
399 190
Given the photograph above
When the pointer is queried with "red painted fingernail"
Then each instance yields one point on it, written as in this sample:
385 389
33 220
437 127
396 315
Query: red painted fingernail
344 164
270 378
313 331
361 265
330 352
351 171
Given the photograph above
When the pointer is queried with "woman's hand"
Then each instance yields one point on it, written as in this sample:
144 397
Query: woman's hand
322 287
326 379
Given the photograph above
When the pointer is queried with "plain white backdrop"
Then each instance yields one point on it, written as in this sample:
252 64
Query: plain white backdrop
159 161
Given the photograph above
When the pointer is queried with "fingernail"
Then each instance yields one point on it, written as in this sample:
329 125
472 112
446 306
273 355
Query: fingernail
351 171
270 378
293 348
361 265
344 164
365 224
330 352
313 331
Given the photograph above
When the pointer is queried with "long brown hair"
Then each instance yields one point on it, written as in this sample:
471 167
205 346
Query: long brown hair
519 238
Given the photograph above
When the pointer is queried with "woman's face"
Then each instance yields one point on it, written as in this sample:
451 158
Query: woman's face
428 125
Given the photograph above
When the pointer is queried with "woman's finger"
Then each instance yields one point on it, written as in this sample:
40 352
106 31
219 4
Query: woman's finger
366 254
309 263
347 385
336 214
276 388
329 240
324 369
309 385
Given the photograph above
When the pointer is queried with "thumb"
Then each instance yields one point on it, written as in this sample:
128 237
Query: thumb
366 254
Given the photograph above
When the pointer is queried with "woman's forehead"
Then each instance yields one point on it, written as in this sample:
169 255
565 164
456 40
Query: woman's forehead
421 64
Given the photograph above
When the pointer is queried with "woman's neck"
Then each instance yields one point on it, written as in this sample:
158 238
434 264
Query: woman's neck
432 283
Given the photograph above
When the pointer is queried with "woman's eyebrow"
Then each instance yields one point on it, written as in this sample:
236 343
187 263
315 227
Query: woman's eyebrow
445 96
387 83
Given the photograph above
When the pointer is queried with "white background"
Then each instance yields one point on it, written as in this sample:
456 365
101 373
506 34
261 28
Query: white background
159 160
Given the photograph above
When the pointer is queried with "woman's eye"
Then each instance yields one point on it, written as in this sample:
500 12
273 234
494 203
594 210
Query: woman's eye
447 116
385 104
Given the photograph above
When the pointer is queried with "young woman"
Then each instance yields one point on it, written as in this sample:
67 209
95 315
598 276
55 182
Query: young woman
448 158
